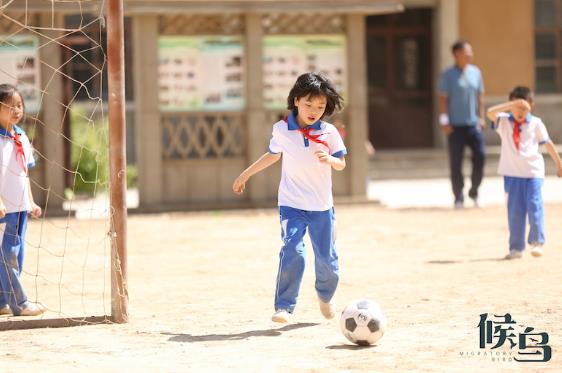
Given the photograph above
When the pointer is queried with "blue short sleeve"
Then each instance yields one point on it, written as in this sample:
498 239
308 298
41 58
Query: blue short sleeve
480 82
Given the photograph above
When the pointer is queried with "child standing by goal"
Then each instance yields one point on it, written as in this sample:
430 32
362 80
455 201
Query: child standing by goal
310 148
16 201
522 166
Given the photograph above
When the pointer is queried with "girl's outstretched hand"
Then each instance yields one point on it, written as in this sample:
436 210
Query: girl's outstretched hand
240 184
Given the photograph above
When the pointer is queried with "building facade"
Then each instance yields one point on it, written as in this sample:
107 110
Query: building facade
207 79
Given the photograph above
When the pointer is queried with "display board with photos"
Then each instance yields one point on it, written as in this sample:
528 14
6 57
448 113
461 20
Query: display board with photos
201 73
288 56
19 65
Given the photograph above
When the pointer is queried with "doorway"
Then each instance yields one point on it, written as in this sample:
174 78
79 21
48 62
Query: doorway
400 79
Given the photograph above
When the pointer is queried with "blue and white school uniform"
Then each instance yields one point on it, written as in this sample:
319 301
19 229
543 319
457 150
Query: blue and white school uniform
14 191
523 171
305 202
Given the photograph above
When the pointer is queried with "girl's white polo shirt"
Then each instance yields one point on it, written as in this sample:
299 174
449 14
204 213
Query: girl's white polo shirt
13 178
527 161
306 183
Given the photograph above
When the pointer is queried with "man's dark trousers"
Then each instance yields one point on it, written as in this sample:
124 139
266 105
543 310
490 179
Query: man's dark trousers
471 136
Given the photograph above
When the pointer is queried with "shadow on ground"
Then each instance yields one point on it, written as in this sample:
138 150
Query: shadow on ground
236 336
349 347
466 261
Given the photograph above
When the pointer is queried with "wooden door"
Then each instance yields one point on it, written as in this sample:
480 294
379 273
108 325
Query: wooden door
400 79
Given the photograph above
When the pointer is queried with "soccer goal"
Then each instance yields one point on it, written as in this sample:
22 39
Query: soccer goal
66 59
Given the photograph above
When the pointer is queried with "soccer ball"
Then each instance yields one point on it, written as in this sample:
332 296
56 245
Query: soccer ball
362 322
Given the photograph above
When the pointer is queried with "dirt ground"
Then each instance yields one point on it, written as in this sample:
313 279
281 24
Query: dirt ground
201 293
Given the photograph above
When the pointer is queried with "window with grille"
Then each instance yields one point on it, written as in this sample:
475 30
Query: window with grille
548 46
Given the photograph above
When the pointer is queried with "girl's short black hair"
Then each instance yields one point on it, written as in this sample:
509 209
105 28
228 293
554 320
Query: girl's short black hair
521 92
315 84
7 91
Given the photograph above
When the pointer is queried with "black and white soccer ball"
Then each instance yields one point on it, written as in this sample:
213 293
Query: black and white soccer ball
363 322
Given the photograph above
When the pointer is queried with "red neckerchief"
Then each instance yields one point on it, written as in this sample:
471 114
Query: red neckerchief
20 153
517 133
306 133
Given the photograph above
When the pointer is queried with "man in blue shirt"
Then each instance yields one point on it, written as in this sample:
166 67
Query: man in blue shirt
461 117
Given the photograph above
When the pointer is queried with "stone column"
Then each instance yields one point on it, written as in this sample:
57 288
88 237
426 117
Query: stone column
52 116
258 130
148 131
357 106
447 32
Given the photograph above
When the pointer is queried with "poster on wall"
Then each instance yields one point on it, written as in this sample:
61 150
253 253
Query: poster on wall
288 56
201 73
19 65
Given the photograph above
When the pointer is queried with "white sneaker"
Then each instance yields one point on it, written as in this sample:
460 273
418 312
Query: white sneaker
328 309
5 310
459 205
514 254
281 316
536 251
32 309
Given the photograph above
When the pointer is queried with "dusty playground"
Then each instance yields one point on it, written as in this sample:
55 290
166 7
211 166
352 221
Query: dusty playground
201 288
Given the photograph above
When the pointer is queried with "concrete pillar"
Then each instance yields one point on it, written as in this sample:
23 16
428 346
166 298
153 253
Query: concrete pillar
258 129
357 105
52 117
148 131
447 32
